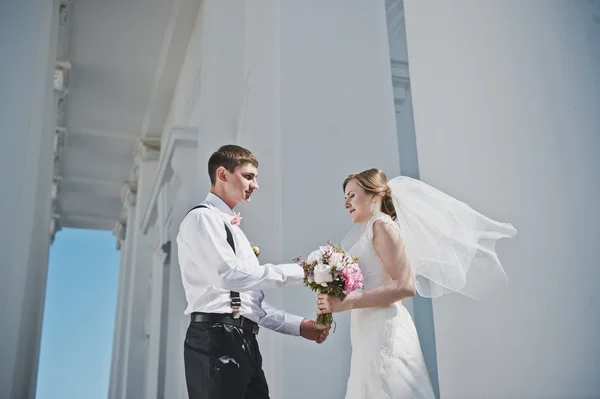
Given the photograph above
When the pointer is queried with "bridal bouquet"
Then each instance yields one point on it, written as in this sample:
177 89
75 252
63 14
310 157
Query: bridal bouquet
329 270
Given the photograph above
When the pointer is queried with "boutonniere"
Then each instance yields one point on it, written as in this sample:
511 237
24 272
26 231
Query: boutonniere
236 220
255 249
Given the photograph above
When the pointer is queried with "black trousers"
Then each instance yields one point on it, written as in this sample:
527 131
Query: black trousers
223 362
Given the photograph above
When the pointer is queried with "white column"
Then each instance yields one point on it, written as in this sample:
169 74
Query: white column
506 99
138 288
157 318
130 241
177 322
116 359
119 360
130 344
169 200
28 34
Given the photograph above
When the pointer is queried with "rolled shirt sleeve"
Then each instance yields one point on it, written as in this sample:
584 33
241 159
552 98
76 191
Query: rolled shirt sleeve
280 321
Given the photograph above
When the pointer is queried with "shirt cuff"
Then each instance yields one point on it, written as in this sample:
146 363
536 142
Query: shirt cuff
294 273
291 324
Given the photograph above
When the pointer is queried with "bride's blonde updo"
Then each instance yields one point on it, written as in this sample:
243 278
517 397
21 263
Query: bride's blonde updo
374 181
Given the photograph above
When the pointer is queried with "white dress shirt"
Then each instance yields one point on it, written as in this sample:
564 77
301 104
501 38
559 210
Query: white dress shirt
210 269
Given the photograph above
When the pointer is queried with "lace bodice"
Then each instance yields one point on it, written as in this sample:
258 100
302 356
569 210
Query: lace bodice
373 270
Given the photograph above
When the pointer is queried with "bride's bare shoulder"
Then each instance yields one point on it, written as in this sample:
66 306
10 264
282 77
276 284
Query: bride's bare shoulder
384 229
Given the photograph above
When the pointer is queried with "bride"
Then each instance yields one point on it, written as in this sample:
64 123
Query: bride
409 238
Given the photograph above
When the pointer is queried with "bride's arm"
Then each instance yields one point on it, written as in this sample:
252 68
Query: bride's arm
390 249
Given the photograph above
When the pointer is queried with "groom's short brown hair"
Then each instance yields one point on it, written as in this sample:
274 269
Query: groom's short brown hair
229 156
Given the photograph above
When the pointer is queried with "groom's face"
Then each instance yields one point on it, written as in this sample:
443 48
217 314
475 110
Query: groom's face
242 183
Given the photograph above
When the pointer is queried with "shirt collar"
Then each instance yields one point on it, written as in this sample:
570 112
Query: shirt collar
218 203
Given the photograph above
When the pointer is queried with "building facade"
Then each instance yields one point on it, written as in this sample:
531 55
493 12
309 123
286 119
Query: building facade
111 110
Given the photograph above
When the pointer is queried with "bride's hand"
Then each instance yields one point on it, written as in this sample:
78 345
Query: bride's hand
329 304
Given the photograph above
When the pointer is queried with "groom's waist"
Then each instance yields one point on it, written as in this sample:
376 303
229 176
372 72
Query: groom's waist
216 301
225 318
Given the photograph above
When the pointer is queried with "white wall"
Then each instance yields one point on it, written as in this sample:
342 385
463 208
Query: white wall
336 117
320 106
506 98
28 32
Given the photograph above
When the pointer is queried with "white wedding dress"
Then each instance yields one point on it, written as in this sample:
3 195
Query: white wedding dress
387 361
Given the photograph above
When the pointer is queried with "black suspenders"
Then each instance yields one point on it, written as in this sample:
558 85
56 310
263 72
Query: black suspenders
236 302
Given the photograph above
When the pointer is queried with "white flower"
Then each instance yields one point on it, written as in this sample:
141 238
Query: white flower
326 251
336 259
315 256
323 274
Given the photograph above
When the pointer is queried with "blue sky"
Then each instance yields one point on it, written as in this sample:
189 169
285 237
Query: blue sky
79 316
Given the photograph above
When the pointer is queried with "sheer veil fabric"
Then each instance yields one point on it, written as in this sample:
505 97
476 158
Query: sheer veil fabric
450 247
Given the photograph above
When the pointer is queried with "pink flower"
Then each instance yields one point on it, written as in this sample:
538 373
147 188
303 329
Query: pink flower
353 277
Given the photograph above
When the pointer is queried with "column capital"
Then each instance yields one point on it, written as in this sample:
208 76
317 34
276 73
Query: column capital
400 81
61 76
129 194
54 226
120 231
55 218
179 139
59 142
146 150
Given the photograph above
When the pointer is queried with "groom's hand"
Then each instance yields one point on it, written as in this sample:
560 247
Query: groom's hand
313 331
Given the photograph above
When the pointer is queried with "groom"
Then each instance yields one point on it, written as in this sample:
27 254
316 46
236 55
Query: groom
223 283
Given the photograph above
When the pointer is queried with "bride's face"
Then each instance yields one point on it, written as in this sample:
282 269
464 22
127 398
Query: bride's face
358 202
